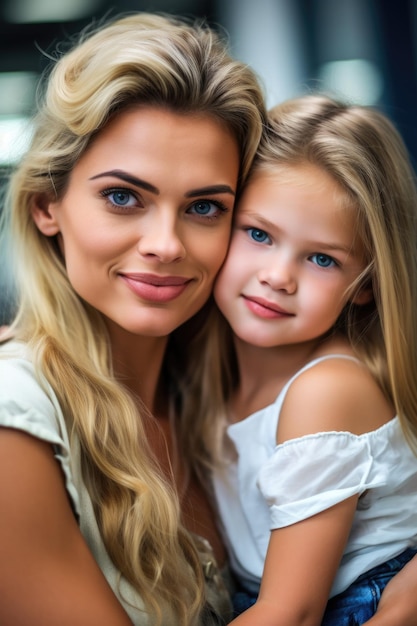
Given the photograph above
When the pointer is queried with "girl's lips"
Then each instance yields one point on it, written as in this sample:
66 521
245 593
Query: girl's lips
155 288
264 308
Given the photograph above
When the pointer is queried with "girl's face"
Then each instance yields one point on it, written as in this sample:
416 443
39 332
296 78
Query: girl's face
292 258
145 222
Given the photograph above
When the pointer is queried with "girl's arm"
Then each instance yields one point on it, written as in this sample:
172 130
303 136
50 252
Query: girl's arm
398 603
48 575
300 566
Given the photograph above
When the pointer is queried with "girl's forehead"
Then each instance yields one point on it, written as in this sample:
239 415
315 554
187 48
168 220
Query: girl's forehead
295 173
303 192
300 176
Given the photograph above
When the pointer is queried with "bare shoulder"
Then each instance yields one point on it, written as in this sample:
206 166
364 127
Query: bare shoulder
51 576
335 394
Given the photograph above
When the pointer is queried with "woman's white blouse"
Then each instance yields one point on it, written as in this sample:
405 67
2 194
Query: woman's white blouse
272 486
28 403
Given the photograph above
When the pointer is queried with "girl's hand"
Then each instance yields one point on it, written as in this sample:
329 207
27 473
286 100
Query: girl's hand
398 604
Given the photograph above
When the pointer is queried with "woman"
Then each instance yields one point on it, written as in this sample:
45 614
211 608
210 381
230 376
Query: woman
120 217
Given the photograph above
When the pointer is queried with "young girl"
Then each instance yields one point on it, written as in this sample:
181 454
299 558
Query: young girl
320 290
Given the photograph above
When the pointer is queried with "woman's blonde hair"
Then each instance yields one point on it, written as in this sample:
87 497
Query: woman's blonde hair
137 59
361 149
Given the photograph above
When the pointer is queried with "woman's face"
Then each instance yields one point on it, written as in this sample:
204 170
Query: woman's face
145 221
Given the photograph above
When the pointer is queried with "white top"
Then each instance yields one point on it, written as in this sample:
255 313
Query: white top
25 405
271 486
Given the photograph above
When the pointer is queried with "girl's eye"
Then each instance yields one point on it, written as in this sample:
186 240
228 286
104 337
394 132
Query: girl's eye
258 235
323 260
120 197
207 208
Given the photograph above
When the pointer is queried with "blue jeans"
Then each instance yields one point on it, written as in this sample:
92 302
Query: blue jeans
355 605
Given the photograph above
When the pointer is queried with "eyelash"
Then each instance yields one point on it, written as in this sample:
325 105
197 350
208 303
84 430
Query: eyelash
333 263
251 230
217 203
106 193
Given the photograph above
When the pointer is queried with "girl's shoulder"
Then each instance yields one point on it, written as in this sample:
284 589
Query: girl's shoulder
333 392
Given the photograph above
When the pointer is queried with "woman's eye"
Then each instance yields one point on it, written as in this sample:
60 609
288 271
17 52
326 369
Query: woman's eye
206 208
258 235
120 197
323 260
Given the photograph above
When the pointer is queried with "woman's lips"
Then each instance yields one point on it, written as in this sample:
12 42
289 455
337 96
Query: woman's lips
155 288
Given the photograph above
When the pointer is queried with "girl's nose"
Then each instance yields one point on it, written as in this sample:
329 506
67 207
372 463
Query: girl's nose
279 274
161 239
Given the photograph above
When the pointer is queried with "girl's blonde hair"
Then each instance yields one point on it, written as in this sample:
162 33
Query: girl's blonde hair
138 59
361 149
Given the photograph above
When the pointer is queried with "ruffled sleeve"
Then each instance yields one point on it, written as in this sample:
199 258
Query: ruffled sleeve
308 475
25 406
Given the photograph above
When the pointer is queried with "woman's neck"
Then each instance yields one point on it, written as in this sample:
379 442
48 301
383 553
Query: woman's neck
137 363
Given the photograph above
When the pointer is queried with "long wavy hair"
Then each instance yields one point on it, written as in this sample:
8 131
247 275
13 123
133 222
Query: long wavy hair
360 148
137 59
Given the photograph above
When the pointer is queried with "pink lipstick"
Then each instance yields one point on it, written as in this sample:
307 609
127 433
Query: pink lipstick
156 288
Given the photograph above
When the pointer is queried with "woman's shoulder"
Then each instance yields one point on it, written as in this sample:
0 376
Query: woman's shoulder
27 401
29 405
18 377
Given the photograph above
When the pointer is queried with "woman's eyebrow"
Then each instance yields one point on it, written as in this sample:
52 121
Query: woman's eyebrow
138 182
212 189
128 178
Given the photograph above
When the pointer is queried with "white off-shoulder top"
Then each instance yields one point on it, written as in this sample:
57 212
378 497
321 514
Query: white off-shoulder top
271 486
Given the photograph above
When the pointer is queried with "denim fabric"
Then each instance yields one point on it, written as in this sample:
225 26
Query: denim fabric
354 606
242 600
359 602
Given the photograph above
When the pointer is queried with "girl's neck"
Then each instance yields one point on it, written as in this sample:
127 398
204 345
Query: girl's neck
263 372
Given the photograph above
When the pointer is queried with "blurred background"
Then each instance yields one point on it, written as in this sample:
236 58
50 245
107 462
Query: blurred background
363 50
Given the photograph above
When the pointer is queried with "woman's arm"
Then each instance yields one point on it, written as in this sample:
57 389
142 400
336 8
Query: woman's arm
398 604
48 575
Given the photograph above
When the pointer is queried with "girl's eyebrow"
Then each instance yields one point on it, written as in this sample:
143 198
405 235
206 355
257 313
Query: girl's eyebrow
138 182
333 247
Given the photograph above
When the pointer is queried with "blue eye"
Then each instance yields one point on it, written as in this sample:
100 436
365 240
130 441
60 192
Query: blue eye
120 197
207 208
203 208
323 260
258 235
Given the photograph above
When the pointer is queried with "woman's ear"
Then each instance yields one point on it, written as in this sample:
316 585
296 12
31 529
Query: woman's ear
43 214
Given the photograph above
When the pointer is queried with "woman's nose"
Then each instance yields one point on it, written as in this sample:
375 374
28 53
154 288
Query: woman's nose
161 238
